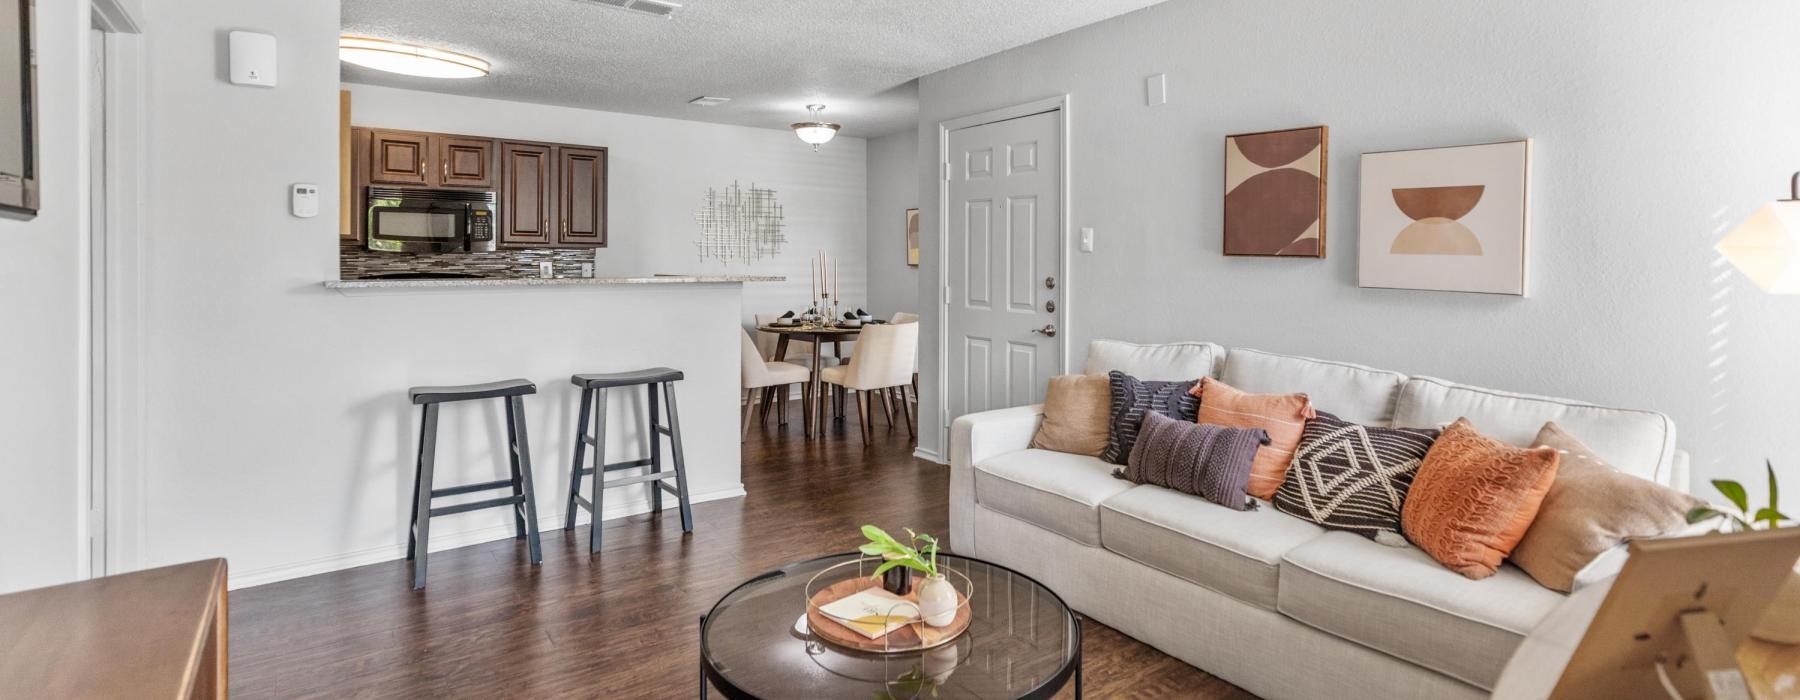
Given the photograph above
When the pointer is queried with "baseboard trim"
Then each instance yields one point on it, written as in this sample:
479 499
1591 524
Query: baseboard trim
450 540
929 455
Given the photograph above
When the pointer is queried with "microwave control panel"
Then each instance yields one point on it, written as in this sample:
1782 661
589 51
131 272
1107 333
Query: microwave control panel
481 225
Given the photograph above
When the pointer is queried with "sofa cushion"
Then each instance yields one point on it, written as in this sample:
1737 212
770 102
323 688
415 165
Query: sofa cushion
1171 362
1639 443
1399 601
1237 553
1352 392
1057 491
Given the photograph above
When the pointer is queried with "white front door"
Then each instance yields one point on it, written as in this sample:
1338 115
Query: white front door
1003 255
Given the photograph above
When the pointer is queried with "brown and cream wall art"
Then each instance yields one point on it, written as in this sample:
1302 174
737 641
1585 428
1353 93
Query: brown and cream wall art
1446 219
1275 193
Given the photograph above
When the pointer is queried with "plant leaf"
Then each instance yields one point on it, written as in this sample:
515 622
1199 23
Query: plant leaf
1701 514
1774 488
1734 492
1771 516
889 564
872 549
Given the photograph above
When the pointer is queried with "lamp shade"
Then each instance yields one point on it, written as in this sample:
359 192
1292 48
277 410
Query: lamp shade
1766 247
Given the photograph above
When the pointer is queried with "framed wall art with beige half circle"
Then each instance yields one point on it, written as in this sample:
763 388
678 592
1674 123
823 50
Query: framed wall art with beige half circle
1275 193
1454 219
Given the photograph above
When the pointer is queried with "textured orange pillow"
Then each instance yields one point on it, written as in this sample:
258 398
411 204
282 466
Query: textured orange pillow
1282 416
1474 498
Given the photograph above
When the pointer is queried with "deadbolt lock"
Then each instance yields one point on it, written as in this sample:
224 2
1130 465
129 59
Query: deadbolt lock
1049 282
1050 306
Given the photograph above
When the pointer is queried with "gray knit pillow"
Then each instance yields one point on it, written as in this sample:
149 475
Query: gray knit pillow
1205 460
1131 399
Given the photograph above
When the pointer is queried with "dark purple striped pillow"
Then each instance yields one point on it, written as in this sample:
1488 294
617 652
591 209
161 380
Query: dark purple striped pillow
1201 459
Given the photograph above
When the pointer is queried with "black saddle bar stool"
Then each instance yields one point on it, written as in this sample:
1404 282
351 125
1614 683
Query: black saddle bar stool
522 502
593 416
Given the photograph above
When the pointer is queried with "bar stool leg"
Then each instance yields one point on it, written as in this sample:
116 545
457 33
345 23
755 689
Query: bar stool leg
599 471
655 452
515 411
681 484
412 522
422 503
512 459
581 428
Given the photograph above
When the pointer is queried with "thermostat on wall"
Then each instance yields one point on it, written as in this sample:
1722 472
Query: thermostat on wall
305 200
253 59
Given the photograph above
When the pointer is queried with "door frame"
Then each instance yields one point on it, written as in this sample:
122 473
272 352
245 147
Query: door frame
1060 104
113 332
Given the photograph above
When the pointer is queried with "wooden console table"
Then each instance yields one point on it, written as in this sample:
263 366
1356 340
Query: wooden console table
158 633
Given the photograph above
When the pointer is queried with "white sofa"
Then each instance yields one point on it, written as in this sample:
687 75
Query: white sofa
1269 602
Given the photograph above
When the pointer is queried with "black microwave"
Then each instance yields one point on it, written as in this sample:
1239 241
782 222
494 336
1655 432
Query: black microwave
431 220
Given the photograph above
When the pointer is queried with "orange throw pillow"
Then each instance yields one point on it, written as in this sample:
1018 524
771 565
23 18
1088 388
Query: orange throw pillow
1282 416
1474 498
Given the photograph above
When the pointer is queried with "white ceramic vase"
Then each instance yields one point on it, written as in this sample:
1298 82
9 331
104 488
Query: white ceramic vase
937 601
1781 624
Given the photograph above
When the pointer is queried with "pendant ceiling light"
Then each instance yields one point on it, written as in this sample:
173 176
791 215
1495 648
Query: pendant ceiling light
409 59
816 132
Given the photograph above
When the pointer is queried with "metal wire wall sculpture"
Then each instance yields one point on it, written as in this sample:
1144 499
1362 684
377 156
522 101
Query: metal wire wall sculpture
741 225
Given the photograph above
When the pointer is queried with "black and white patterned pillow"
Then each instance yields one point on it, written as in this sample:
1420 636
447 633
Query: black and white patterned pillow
1353 477
1131 397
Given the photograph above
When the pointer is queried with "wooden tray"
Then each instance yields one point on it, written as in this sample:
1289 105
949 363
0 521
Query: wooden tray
912 637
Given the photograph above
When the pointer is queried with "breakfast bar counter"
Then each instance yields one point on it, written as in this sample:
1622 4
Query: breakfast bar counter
543 281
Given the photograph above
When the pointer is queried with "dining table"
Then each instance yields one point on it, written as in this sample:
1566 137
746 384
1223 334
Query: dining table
813 401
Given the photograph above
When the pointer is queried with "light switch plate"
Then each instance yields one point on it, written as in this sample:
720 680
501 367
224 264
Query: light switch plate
1087 239
1156 90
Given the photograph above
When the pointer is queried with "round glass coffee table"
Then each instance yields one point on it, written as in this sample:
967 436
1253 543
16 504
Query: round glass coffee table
1022 642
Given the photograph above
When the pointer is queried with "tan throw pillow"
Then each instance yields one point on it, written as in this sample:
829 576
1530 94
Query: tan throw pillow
1592 507
1077 410
1474 497
1282 416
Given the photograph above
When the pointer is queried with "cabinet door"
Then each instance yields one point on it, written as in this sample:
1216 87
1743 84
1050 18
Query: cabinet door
581 173
464 162
527 194
399 157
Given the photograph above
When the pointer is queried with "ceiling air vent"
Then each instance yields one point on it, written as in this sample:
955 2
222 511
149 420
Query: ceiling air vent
648 7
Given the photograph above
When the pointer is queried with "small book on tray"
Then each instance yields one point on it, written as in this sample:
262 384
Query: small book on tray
872 612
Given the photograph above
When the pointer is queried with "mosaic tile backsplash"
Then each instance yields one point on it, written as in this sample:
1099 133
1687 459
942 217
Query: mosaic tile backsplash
358 262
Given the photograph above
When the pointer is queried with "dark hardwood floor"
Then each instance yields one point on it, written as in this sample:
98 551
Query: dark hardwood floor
621 624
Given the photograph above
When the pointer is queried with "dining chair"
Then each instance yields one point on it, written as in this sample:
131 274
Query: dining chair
913 396
759 376
882 364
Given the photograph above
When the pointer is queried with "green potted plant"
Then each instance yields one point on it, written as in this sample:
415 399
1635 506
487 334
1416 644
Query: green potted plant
937 597
1782 622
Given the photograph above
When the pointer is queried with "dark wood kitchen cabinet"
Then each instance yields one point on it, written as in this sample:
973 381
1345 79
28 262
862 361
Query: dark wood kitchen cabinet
418 159
527 194
399 157
581 196
550 195
464 162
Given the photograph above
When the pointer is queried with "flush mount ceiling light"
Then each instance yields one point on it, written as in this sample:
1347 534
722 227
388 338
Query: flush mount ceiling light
816 132
409 59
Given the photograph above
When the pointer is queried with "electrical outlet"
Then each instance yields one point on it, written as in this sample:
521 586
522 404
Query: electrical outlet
587 269
546 270
1087 239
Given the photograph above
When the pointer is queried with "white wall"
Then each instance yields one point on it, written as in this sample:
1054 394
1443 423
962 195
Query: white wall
893 188
41 321
659 171
1656 131
279 434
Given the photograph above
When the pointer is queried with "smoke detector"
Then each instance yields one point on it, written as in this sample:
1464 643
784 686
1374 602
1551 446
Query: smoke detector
656 8
704 101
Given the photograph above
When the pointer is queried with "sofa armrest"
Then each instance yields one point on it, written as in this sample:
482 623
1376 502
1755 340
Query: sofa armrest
974 438
1678 477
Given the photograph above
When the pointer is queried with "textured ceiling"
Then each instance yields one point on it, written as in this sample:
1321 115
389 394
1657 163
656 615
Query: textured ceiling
771 57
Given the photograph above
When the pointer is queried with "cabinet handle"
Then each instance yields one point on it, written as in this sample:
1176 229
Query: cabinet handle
546 228
565 226
446 170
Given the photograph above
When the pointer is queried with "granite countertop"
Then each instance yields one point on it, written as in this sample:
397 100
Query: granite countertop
547 282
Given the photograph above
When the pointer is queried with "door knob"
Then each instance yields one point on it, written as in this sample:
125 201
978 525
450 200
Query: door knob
1049 330
1050 282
